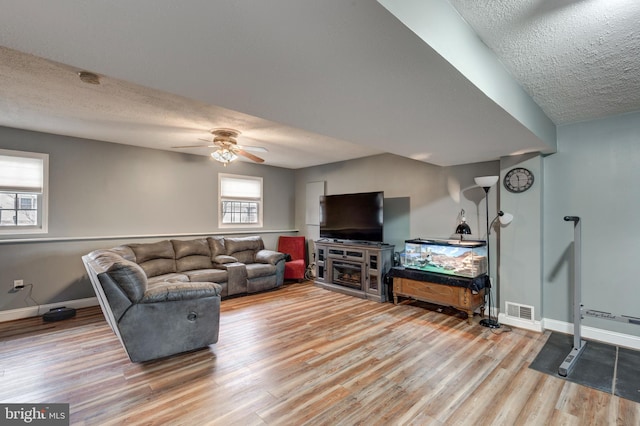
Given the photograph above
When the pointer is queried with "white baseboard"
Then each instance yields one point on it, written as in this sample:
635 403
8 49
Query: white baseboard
598 334
35 311
610 337
520 323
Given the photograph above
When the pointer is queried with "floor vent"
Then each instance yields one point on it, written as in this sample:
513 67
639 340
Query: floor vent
519 311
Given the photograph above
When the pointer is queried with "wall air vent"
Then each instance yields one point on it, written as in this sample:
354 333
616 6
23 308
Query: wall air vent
517 310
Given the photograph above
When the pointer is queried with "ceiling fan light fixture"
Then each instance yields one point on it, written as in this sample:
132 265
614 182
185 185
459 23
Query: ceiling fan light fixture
228 149
224 156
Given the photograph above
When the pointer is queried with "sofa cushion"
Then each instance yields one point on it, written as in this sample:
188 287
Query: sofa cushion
192 254
155 258
216 245
236 244
172 277
243 248
125 251
269 256
245 256
208 275
121 251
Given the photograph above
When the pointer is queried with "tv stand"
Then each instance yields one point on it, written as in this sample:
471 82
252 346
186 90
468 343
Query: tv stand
352 243
353 268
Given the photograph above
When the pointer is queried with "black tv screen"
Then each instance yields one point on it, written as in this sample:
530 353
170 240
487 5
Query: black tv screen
355 217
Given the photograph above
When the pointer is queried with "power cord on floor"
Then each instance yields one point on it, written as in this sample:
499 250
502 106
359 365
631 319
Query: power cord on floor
502 329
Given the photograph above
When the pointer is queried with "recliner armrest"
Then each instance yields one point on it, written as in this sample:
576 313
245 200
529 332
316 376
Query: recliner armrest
269 256
173 291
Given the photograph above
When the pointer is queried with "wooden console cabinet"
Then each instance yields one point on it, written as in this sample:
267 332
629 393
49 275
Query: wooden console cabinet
356 269
460 298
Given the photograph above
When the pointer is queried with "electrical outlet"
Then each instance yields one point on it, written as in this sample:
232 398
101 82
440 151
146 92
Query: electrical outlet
18 284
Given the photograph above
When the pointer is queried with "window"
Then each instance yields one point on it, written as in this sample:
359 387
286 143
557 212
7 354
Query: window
23 192
239 201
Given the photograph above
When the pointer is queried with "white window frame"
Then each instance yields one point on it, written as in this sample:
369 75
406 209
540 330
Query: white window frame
225 198
43 197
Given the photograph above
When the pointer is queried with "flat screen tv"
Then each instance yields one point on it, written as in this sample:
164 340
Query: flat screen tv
353 217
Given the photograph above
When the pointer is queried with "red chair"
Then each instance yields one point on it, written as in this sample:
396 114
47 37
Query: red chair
295 268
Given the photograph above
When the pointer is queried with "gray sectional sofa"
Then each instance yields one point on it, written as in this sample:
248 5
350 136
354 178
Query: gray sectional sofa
164 298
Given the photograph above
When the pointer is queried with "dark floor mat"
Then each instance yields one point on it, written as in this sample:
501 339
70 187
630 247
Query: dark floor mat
628 377
595 367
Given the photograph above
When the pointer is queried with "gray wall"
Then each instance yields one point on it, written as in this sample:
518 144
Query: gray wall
421 200
520 245
105 190
594 175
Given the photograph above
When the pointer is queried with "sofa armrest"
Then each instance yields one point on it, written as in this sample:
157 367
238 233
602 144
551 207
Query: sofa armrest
269 256
173 291
128 276
223 259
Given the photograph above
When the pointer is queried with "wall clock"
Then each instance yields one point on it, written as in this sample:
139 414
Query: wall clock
518 180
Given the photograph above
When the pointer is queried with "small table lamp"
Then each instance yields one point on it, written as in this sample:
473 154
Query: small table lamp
463 228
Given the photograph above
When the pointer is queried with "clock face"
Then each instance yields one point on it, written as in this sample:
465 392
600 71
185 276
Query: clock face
518 180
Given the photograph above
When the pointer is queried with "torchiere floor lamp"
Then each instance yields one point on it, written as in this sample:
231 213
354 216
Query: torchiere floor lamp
486 182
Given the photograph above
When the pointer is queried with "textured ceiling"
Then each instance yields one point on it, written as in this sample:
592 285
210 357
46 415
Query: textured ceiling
578 59
313 82
39 94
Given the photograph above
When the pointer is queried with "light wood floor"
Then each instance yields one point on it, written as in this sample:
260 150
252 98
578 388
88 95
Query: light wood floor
302 355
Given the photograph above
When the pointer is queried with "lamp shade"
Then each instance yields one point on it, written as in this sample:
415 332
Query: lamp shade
506 218
486 181
463 228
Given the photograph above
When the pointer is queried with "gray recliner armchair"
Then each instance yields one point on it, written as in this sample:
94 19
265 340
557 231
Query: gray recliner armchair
157 319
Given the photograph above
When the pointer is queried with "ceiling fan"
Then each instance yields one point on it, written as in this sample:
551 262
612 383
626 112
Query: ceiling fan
227 146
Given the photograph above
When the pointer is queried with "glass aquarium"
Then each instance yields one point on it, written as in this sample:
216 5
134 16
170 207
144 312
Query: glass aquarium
463 258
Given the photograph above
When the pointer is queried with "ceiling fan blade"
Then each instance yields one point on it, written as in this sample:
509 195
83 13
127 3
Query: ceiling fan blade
253 148
248 155
194 146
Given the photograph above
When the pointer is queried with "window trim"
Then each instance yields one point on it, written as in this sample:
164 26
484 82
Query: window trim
43 199
260 202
